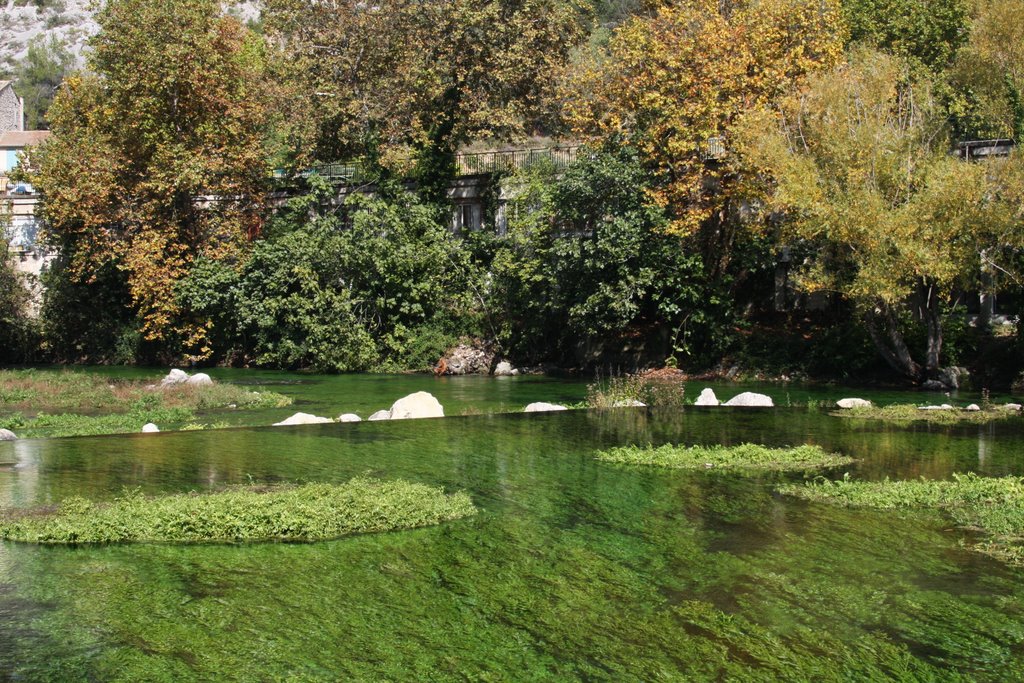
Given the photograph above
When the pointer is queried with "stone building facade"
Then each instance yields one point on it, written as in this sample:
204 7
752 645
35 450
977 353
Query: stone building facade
12 109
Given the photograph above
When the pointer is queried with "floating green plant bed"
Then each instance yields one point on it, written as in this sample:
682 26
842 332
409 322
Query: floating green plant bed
311 512
49 403
745 456
911 413
994 506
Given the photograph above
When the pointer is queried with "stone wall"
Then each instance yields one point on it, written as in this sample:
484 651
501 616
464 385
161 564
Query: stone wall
10 110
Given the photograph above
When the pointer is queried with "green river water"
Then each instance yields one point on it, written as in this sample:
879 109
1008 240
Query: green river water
573 569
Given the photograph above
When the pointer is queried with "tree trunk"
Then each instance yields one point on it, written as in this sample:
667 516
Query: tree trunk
933 320
888 340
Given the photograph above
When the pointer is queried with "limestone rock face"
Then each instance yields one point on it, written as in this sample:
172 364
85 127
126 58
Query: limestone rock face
467 359
200 379
749 399
302 419
542 407
7 435
349 417
150 428
379 415
629 403
415 406
707 398
847 403
173 377
504 369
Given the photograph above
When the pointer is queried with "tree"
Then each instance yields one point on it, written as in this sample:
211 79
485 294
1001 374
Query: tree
863 174
38 75
925 34
670 83
157 156
988 75
417 77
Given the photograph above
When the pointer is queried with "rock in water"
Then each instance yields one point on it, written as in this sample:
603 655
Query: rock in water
150 428
200 379
8 435
973 408
847 403
749 399
379 415
415 406
543 408
302 419
349 417
707 398
504 369
173 377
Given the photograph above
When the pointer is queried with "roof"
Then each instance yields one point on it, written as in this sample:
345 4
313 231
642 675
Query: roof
4 84
22 138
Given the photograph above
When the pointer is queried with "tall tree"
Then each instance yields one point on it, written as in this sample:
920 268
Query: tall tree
38 75
418 77
864 177
670 83
157 156
925 34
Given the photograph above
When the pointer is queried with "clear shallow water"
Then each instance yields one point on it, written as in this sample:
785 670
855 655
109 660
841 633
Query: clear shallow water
573 570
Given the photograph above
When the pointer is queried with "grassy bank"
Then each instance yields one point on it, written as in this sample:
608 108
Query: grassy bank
992 506
51 403
912 413
746 456
312 512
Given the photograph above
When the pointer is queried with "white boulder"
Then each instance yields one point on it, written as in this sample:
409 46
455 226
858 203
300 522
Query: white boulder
707 398
8 435
302 419
1012 406
173 377
504 369
847 403
944 406
973 408
379 415
349 417
749 399
200 379
629 403
415 406
542 407
150 428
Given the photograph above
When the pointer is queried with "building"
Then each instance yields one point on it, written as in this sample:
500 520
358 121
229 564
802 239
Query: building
18 200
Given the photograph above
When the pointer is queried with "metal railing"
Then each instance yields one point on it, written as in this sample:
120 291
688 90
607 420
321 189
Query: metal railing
476 163
985 149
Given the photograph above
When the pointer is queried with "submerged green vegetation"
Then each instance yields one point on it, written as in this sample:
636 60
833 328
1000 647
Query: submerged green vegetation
311 512
47 403
993 506
745 456
913 413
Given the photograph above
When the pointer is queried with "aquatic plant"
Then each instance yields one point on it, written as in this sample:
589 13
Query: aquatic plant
993 506
744 456
311 512
913 413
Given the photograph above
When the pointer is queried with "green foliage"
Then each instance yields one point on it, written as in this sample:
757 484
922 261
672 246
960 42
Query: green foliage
312 512
54 404
929 34
743 457
38 76
912 413
587 262
993 506
18 332
380 284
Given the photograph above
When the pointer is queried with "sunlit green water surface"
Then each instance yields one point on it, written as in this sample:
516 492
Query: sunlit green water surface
573 570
